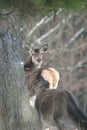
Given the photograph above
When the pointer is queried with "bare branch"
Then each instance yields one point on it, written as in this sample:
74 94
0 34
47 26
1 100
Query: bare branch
44 20
74 37
52 30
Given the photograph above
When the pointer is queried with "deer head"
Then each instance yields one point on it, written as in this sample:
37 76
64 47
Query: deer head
36 54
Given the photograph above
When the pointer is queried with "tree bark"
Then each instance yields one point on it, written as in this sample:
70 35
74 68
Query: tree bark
15 111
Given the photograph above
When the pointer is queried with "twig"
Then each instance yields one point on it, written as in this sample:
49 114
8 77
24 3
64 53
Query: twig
44 20
74 37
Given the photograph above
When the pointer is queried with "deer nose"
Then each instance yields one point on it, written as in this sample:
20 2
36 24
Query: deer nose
38 59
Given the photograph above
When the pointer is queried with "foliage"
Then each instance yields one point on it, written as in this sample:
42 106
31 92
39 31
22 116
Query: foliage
43 6
60 3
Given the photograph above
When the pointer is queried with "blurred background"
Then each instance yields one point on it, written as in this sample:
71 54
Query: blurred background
63 25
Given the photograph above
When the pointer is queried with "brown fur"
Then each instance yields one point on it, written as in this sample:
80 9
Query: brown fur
34 76
35 73
52 76
55 106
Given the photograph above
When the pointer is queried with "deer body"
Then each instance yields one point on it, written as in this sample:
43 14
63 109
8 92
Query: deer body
33 68
52 76
55 106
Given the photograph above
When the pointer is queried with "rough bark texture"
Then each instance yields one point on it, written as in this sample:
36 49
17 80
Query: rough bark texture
15 111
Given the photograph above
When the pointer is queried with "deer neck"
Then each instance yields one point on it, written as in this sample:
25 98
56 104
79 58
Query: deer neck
30 63
39 66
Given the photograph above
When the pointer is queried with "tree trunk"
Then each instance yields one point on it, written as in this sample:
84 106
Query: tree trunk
15 111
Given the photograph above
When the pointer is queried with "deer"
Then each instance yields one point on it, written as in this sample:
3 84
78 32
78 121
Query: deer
34 63
55 106
33 68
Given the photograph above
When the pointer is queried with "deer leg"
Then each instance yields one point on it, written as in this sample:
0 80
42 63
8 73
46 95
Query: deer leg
60 124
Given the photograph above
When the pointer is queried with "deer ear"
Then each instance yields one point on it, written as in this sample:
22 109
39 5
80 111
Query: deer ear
44 48
28 47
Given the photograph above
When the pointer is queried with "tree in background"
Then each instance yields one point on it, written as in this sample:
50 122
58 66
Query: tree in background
15 111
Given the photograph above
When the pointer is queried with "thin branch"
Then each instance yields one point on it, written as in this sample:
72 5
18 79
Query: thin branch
36 26
52 30
44 20
79 64
6 12
49 19
48 33
75 36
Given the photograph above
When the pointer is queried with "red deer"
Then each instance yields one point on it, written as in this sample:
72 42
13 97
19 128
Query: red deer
53 105
56 106
33 68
